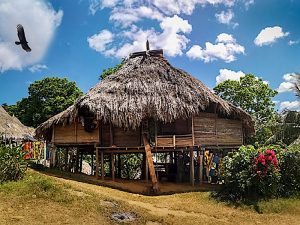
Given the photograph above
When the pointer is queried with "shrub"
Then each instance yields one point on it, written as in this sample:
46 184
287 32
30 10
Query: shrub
12 163
250 173
289 163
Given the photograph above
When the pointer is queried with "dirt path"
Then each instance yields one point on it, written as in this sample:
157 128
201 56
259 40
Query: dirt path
191 208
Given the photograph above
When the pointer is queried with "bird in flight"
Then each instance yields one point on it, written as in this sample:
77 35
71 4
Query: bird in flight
22 39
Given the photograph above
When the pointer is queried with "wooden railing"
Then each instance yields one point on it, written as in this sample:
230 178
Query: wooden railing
174 140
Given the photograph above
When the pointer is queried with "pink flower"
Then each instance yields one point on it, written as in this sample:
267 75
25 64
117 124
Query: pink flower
275 162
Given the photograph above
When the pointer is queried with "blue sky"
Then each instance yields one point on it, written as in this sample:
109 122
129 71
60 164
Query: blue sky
213 40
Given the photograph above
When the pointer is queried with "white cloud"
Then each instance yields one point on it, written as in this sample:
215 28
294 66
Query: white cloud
168 7
248 3
269 35
291 42
226 48
128 16
288 84
37 68
294 105
226 18
95 5
39 20
171 39
100 41
173 36
225 74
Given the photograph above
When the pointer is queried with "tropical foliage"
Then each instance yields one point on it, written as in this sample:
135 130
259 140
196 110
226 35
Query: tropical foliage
267 172
47 97
254 96
12 163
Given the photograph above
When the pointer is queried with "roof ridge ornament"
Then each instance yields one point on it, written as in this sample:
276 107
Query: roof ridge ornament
148 52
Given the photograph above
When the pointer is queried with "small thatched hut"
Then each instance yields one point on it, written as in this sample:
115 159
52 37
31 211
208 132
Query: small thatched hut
147 95
12 129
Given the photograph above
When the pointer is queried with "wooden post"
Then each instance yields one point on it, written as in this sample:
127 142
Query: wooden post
102 165
192 168
53 156
97 163
112 162
201 166
77 161
193 132
119 166
81 158
66 159
146 170
150 164
92 166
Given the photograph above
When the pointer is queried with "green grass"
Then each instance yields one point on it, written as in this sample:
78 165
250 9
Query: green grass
280 206
35 185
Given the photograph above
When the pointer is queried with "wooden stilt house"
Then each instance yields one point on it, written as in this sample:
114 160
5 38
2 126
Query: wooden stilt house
148 104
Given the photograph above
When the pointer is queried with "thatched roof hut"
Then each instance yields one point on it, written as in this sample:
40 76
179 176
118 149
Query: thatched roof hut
147 86
12 128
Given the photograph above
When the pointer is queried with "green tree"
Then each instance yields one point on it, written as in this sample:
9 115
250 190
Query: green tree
297 84
47 97
255 97
111 70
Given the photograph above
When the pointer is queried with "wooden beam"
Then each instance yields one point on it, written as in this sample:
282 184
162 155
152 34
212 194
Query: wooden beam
97 163
102 165
150 164
112 163
192 168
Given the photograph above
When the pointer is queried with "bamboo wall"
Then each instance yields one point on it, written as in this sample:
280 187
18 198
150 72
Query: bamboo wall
74 134
211 130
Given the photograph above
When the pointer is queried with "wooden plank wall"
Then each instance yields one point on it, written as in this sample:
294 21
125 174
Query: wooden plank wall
69 135
211 130
128 138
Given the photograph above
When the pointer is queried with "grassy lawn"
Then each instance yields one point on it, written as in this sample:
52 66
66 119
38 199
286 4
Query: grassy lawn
41 199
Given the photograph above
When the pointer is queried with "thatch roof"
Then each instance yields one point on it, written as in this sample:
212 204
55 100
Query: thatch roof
148 86
12 128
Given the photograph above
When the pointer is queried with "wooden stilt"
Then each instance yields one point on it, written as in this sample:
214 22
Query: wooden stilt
66 159
192 168
146 171
97 163
119 166
92 166
201 167
102 165
77 161
150 164
112 163
81 159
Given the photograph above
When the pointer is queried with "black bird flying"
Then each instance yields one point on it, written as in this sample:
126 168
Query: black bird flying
22 39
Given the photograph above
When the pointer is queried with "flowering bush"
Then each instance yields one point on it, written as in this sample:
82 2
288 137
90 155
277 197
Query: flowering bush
250 173
266 174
